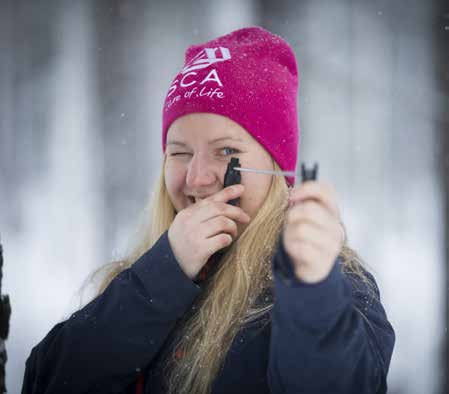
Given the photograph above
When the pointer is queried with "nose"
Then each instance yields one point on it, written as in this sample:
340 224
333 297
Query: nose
201 172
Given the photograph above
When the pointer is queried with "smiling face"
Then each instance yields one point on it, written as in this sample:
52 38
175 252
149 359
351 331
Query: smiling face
199 148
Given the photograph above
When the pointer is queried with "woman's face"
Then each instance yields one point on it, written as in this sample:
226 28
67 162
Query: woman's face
199 148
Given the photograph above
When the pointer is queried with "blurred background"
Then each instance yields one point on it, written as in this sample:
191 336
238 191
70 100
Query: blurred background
81 90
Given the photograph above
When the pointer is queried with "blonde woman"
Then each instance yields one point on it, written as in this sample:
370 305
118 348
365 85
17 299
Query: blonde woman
261 296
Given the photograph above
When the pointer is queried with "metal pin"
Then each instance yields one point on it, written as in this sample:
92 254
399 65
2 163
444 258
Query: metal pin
305 175
269 172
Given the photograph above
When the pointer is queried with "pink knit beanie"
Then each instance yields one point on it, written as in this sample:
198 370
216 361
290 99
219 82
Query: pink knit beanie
249 76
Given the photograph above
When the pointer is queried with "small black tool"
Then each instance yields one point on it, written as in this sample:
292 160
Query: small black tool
309 174
232 177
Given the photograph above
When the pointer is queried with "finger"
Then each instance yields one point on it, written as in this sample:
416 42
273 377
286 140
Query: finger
306 252
209 209
220 225
320 191
308 234
226 194
310 211
218 242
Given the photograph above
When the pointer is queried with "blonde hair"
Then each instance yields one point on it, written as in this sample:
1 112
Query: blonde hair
229 297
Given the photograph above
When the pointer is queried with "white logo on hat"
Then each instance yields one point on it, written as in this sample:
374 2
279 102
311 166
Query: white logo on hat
205 58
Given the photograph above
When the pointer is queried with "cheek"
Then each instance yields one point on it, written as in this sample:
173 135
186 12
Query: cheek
256 191
256 185
174 181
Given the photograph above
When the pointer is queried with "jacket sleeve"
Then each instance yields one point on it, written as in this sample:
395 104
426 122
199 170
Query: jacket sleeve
328 337
103 347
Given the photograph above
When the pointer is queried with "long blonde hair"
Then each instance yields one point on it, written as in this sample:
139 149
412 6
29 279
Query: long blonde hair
228 299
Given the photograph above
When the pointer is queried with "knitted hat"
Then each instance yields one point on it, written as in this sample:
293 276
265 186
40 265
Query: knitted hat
249 76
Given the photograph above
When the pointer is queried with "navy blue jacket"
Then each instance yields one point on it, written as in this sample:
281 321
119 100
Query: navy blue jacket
331 337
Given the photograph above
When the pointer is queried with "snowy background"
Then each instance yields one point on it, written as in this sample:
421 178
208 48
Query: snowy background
81 90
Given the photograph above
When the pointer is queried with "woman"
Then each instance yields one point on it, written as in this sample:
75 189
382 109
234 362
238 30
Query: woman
263 296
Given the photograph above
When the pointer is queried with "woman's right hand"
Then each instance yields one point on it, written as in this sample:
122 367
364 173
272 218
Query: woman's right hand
200 230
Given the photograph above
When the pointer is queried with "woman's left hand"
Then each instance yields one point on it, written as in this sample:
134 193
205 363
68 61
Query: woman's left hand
313 234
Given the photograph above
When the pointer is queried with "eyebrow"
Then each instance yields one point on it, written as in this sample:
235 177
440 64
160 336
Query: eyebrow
174 142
